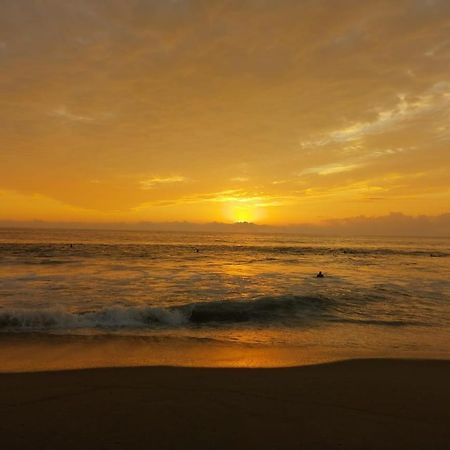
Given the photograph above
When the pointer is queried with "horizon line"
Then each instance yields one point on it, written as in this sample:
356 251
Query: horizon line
393 224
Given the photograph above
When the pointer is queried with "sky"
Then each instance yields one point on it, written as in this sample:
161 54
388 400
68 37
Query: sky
268 111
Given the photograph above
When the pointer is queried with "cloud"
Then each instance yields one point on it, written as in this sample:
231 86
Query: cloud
435 99
63 113
232 196
239 179
392 224
330 169
150 183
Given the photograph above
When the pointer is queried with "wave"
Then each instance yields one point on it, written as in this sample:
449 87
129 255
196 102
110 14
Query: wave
285 311
266 310
382 322
52 253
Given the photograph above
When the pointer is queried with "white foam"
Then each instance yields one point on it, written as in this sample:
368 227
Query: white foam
112 317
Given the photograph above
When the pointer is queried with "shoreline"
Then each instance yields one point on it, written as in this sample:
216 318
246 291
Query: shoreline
41 353
353 404
35 352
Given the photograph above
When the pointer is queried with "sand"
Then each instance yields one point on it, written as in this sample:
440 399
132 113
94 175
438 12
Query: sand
359 404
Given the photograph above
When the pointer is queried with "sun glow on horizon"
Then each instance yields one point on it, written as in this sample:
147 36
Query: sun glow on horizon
244 211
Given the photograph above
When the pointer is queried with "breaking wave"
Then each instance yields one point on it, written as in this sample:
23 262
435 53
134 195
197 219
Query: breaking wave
266 310
287 311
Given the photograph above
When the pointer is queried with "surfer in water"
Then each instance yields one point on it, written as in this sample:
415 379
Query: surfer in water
320 275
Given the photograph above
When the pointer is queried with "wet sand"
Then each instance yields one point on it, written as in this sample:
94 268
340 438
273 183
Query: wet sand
359 404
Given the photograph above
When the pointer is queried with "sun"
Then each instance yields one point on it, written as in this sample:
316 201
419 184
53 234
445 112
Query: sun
243 212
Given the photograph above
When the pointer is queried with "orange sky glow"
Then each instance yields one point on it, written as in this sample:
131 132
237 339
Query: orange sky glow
268 111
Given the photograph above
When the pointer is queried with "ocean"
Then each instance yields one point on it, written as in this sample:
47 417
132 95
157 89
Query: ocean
379 296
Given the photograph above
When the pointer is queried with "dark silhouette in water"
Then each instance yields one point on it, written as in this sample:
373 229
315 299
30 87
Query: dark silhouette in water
197 250
320 275
71 245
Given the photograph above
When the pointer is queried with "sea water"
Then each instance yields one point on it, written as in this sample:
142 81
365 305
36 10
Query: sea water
379 296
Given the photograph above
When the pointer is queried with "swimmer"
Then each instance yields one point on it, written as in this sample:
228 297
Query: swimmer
320 275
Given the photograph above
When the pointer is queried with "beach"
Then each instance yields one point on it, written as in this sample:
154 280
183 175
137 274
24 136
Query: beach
355 404
135 341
